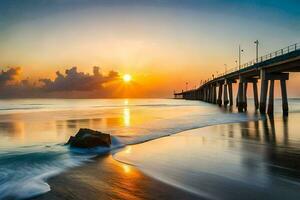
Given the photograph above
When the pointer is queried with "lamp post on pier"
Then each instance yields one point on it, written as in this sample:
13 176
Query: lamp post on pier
240 52
256 44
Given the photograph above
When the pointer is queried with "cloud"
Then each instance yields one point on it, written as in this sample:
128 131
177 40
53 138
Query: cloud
72 82
10 75
78 81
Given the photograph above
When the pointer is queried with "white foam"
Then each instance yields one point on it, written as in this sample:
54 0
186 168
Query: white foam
24 175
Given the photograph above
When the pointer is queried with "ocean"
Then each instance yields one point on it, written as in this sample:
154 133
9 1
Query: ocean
33 132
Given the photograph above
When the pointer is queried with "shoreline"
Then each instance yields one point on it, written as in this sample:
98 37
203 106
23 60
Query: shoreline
182 153
107 178
114 168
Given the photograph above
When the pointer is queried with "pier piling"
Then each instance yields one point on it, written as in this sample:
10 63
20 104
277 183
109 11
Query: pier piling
240 103
263 92
255 95
225 96
285 107
219 101
271 98
230 94
245 84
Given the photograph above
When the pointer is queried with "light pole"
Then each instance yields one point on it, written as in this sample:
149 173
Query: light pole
186 86
256 43
240 51
225 68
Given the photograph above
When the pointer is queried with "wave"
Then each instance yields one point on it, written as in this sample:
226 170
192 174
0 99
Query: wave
191 122
24 172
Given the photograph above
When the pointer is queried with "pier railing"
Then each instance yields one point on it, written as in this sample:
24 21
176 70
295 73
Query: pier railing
280 52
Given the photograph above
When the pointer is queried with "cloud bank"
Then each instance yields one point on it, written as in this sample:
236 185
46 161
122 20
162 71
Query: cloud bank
71 84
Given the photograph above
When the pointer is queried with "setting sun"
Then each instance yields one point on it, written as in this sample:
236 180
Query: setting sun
127 78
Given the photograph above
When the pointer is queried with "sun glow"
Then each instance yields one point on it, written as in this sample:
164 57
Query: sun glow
127 78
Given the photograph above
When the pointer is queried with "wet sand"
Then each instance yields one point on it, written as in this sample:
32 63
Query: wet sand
248 160
109 179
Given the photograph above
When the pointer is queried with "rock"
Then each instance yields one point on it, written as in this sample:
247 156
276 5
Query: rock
87 138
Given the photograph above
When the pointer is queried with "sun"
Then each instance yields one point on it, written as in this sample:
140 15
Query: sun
127 78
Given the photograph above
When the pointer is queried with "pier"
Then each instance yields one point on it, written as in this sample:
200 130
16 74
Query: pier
275 66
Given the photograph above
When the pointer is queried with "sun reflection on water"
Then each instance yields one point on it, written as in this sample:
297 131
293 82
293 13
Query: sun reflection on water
126 116
128 150
126 168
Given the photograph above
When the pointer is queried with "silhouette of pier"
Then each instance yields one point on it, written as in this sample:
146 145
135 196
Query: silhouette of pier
275 66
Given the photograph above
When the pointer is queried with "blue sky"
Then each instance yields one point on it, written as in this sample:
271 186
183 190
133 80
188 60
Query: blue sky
143 37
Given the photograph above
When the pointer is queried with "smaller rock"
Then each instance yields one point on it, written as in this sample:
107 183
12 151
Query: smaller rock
87 138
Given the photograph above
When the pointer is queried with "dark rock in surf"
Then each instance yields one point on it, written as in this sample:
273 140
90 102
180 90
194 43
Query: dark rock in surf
87 138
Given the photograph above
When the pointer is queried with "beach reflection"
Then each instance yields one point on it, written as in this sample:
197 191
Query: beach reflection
12 128
127 118
57 126
126 168
253 160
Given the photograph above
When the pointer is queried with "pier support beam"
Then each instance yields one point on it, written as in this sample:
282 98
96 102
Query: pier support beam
230 94
265 77
198 94
215 94
207 94
225 95
211 93
255 95
271 98
245 85
240 96
219 101
263 91
237 97
285 106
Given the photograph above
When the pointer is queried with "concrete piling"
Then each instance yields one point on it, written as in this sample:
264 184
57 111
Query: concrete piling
230 94
225 96
240 103
255 95
285 107
245 85
271 98
219 101
263 91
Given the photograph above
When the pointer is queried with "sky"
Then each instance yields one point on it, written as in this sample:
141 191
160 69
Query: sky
162 43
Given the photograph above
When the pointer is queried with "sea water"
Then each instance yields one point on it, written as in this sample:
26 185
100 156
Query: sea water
33 132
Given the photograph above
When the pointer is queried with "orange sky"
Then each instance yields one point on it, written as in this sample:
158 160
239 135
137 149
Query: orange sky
162 46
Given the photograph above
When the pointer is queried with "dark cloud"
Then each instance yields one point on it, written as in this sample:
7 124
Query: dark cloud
72 82
10 75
